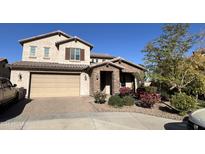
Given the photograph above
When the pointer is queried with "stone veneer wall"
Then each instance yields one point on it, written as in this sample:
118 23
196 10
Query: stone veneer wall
95 83
129 68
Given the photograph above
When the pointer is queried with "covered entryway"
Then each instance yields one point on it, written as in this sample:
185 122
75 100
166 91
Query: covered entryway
106 82
127 80
54 85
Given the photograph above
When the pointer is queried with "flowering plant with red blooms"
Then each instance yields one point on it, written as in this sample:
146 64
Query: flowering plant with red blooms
149 99
125 91
140 90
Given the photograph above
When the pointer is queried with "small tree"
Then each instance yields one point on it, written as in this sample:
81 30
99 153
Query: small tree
197 86
141 77
166 61
186 74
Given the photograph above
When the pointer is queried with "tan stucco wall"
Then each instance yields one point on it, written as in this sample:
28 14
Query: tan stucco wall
84 84
40 44
21 83
56 55
73 44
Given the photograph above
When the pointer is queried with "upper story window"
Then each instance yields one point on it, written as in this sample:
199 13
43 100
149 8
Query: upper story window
32 51
46 52
75 54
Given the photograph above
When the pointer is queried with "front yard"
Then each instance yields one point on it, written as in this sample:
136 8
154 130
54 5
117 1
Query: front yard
147 101
159 110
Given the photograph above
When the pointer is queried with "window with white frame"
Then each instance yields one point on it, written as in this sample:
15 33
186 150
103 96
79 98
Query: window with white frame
75 54
46 52
32 51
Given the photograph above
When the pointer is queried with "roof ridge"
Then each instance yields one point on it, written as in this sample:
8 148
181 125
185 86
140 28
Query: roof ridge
2 59
119 58
106 62
75 37
44 35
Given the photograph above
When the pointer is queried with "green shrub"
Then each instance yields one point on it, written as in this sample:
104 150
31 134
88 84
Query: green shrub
128 100
165 96
151 89
183 103
116 101
100 97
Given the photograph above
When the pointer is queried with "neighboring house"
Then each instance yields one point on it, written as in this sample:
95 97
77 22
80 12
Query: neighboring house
58 65
200 51
4 70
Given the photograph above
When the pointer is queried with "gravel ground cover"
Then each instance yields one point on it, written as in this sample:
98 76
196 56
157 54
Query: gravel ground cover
159 110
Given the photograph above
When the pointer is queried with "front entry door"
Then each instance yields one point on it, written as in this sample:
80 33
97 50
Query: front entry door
106 82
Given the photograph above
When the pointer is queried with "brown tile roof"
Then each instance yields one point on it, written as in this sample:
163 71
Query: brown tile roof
106 63
74 39
28 65
58 32
100 55
128 62
201 51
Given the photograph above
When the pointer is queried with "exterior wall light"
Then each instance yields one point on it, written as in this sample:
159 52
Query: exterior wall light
20 76
97 76
85 77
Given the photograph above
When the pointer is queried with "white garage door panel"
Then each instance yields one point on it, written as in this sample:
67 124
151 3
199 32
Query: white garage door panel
54 85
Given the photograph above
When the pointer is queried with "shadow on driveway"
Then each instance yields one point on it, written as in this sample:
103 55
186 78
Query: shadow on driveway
12 110
177 125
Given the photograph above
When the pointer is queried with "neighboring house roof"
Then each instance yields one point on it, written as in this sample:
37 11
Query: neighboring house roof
100 55
200 50
106 63
3 59
58 32
47 66
128 62
75 38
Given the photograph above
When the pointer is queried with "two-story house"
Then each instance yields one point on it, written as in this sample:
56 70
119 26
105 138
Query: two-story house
59 65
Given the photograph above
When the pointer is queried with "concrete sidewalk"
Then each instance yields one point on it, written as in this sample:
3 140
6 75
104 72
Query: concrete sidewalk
93 121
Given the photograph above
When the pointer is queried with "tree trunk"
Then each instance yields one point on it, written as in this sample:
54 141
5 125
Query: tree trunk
180 90
197 96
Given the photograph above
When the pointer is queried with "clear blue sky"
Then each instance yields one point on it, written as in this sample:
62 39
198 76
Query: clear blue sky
124 40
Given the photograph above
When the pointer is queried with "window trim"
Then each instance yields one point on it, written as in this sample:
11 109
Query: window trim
74 49
30 55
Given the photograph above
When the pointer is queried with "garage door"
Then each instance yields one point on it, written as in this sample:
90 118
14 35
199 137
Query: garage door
54 85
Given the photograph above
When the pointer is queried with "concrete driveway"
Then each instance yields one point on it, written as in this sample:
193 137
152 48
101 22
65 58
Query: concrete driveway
77 113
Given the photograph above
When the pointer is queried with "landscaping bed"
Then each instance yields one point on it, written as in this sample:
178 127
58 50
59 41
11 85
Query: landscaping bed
146 100
159 110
